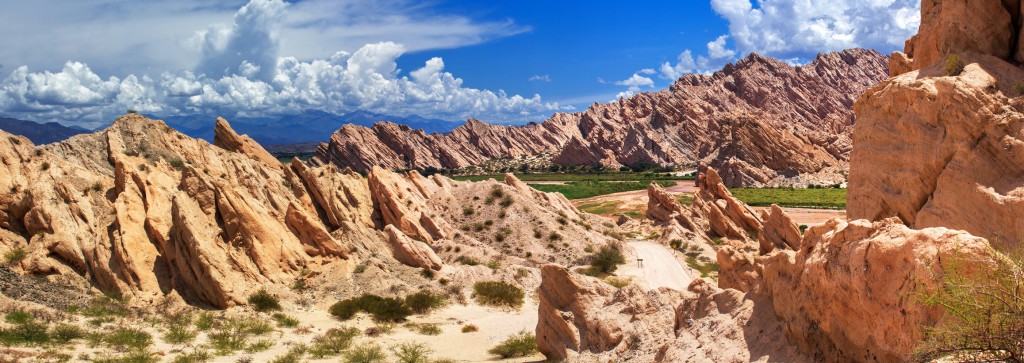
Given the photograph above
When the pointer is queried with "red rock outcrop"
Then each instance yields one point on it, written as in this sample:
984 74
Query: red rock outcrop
987 27
963 167
849 271
583 319
759 121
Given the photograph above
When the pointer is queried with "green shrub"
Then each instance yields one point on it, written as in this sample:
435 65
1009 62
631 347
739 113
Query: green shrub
196 356
1019 87
607 259
519 345
426 329
261 345
26 331
470 328
286 321
135 356
468 261
467 211
494 265
427 273
954 65
982 306
204 321
105 306
412 353
498 293
333 342
233 335
18 317
177 163
179 332
15 255
126 338
382 309
424 301
45 166
555 236
294 355
366 353
263 301
617 282
65 333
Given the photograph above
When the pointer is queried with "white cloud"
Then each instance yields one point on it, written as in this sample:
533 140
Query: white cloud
120 37
796 30
803 28
540 78
240 73
634 84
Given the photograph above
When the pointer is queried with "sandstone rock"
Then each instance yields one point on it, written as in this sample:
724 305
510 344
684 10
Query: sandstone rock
582 319
961 169
845 272
410 252
737 270
568 305
759 121
226 138
779 231
404 205
141 210
947 27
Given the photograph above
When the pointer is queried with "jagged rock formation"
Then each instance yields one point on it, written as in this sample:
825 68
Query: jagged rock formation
986 27
141 210
964 166
812 291
759 121
848 271
714 213
583 319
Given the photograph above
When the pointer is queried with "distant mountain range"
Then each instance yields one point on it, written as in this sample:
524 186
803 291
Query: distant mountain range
759 121
305 127
40 133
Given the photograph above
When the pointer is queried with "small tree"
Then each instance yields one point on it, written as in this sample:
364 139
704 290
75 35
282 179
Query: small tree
607 259
984 305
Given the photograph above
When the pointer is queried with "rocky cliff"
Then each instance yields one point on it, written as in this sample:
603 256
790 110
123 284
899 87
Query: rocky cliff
759 121
963 168
145 212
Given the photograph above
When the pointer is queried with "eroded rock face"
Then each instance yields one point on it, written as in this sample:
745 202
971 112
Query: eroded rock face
847 271
141 210
759 122
987 27
583 319
963 169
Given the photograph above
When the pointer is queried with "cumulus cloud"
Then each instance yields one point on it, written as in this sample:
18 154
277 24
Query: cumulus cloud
634 84
249 47
240 73
802 28
797 30
540 78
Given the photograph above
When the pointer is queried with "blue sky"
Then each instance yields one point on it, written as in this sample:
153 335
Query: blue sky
85 62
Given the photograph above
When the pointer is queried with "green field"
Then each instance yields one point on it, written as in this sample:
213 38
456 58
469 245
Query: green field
587 189
569 177
832 198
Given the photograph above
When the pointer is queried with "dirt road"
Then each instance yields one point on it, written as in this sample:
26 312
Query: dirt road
660 268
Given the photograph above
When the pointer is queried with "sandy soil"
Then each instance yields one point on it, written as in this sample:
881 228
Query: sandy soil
495 325
660 268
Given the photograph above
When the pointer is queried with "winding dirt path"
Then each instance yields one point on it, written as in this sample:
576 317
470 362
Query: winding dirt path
660 268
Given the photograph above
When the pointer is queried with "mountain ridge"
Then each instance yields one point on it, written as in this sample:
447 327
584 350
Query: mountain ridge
809 106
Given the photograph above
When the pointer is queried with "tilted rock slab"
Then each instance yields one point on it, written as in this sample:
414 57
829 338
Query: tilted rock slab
759 121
